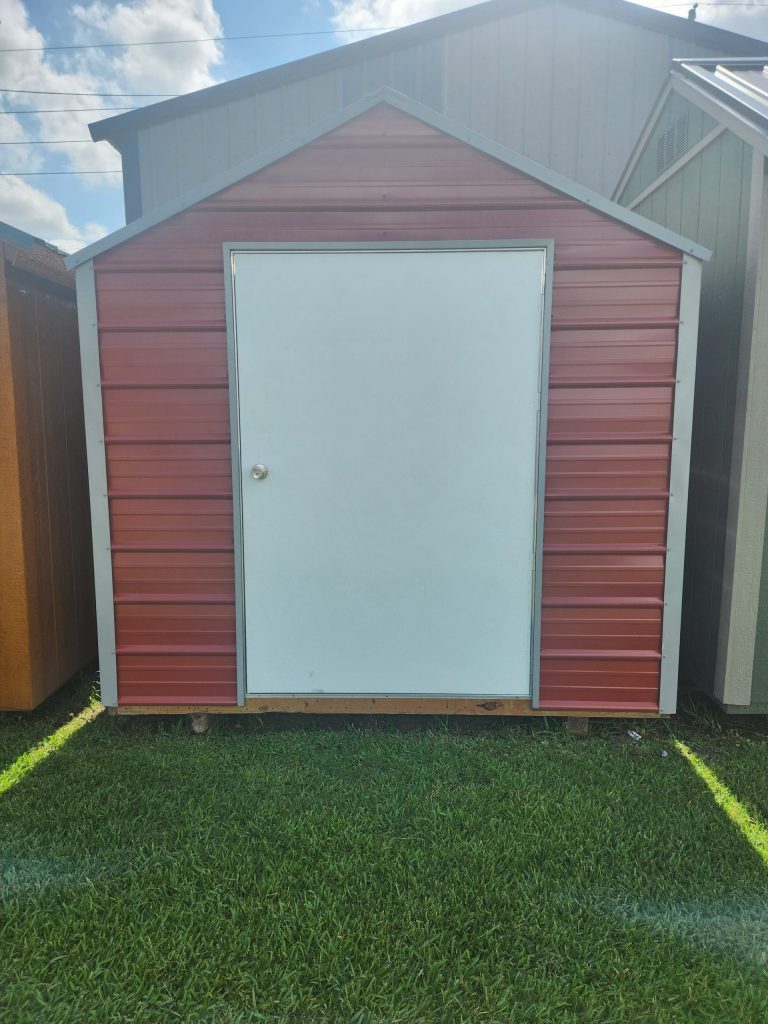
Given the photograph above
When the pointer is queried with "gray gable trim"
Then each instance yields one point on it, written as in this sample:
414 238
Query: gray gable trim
21 238
697 34
642 141
422 113
694 81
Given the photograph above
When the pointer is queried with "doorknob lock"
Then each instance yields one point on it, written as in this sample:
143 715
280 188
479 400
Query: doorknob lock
258 472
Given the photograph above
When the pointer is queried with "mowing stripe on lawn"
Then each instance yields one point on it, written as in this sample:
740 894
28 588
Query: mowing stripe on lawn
32 757
753 831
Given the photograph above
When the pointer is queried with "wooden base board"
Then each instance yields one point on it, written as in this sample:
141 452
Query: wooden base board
378 706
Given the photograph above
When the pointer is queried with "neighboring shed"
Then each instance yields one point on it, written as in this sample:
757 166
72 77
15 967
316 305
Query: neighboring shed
47 615
699 168
568 83
349 337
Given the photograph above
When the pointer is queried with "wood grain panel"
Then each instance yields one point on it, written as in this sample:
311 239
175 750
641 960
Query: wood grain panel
15 674
48 614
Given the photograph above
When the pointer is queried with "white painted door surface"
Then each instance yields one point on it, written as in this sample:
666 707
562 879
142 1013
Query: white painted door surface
393 397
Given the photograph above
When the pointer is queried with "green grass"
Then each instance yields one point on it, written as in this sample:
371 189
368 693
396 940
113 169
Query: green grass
495 873
21 730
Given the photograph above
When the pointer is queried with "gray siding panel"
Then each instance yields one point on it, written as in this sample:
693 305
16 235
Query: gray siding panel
484 99
760 665
708 200
510 83
567 87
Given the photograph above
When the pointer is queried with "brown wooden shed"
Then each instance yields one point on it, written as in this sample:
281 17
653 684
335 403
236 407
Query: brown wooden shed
47 613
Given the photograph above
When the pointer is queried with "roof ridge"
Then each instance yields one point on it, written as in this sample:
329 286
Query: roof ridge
112 128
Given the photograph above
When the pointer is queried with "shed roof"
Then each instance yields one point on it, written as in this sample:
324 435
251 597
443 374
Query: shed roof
33 254
736 86
693 32
423 113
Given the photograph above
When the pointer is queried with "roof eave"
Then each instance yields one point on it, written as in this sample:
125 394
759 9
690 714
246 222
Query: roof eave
739 118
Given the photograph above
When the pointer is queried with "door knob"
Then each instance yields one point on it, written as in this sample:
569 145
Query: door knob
258 472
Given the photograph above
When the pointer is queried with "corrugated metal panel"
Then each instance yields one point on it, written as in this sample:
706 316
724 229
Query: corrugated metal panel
564 85
389 177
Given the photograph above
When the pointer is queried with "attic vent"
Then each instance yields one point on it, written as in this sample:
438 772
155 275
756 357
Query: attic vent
672 144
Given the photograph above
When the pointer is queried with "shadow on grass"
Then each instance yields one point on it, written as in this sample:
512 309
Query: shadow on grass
22 730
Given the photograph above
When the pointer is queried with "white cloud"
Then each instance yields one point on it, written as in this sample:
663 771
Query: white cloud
749 17
161 69
389 13
27 207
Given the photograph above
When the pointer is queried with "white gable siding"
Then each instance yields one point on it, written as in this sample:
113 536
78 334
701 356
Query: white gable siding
561 85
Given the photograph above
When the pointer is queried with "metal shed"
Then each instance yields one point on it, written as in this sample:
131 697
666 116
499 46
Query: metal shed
326 471
47 614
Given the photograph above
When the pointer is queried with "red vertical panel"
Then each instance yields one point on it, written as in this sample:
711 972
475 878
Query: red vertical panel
388 177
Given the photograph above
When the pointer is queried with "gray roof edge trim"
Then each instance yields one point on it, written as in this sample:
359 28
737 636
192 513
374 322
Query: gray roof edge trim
227 178
546 176
725 60
422 113
736 120
113 128
730 94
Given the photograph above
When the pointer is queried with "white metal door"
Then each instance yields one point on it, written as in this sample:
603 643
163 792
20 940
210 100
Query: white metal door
393 398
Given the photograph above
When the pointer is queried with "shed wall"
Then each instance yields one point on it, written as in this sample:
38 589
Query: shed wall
759 700
708 201
47 614
388 177
565 86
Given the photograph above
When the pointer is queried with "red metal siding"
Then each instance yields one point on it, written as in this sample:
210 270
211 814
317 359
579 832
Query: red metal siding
387 177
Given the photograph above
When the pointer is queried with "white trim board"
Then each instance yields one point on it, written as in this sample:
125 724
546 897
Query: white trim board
685 380
97 482
642 141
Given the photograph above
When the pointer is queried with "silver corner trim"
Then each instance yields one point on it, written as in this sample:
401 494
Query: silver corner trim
685 374
237 481
541 470
90 365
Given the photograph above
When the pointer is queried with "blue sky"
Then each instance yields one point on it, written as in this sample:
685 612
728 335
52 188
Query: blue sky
75 209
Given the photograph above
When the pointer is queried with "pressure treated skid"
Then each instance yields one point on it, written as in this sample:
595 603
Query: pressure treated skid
492 708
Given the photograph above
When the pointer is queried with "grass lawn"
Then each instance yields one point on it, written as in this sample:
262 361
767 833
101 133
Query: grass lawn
497 872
